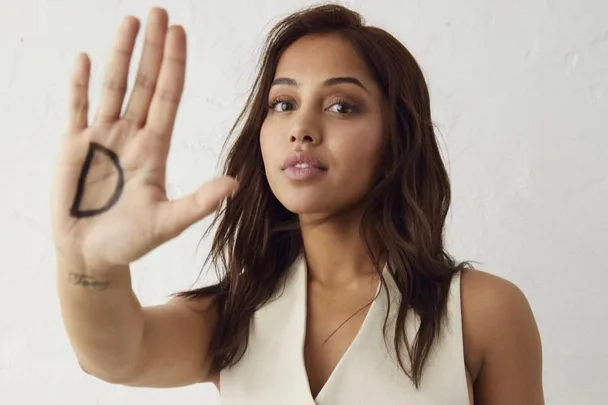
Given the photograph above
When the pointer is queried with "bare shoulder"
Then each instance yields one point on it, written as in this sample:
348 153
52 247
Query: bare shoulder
488 301
502 343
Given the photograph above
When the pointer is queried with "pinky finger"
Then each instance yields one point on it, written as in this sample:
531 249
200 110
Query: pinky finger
79 94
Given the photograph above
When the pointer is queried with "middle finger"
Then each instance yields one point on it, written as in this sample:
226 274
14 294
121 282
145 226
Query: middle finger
149 66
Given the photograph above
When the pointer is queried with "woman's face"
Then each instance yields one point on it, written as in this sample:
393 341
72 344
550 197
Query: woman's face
325 104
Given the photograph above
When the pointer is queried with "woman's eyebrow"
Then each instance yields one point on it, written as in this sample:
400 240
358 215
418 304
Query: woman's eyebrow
332 81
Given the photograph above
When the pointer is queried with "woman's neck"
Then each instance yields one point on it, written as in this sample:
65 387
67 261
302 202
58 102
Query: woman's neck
335 252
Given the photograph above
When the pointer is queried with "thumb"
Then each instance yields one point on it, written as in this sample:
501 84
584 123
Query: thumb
173 217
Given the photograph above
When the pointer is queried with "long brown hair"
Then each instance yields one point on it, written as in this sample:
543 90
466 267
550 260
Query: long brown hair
257 238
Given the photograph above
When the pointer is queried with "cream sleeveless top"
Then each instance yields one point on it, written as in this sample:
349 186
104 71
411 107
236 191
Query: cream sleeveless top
272 370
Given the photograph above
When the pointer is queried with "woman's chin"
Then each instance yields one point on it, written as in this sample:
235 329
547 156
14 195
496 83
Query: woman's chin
313 210
306 206
300 208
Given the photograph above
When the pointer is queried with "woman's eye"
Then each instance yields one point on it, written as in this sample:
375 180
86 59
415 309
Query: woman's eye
342 108
280 105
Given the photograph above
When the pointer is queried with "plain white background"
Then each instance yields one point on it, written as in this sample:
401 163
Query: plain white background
520 96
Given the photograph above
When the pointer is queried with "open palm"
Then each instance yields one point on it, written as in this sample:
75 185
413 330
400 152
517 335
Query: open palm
109 204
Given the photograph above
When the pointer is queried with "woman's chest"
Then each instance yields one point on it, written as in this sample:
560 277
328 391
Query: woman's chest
333 321
310 346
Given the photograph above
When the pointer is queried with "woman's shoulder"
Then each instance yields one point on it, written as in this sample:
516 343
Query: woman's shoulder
483 293
500 333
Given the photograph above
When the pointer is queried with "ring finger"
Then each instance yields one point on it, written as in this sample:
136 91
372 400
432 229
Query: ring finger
117 71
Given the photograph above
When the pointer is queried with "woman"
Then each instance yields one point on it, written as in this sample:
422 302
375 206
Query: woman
335 287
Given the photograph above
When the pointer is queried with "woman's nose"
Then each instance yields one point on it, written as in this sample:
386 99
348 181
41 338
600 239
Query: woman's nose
305 128
301 136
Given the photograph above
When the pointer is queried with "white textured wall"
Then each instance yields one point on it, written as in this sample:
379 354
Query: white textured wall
519 90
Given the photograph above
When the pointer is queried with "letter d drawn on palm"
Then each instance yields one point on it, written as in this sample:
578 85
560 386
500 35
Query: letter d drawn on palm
75 210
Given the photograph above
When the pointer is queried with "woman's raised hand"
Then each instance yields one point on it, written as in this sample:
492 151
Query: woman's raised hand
109 203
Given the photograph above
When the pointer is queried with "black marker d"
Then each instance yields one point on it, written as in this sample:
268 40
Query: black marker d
75 210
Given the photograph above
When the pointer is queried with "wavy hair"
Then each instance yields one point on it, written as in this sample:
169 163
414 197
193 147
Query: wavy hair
404 213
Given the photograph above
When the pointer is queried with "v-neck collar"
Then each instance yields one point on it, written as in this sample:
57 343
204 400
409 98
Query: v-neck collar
272 370
301 281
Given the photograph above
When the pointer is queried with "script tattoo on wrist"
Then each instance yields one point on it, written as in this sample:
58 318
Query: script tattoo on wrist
87 281
75 210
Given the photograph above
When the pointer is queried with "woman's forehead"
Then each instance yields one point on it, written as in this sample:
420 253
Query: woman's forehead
318 57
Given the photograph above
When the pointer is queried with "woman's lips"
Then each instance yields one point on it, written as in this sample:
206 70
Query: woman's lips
300 157
303 172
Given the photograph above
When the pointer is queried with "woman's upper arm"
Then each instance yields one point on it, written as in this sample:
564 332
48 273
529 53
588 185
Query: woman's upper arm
502 342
